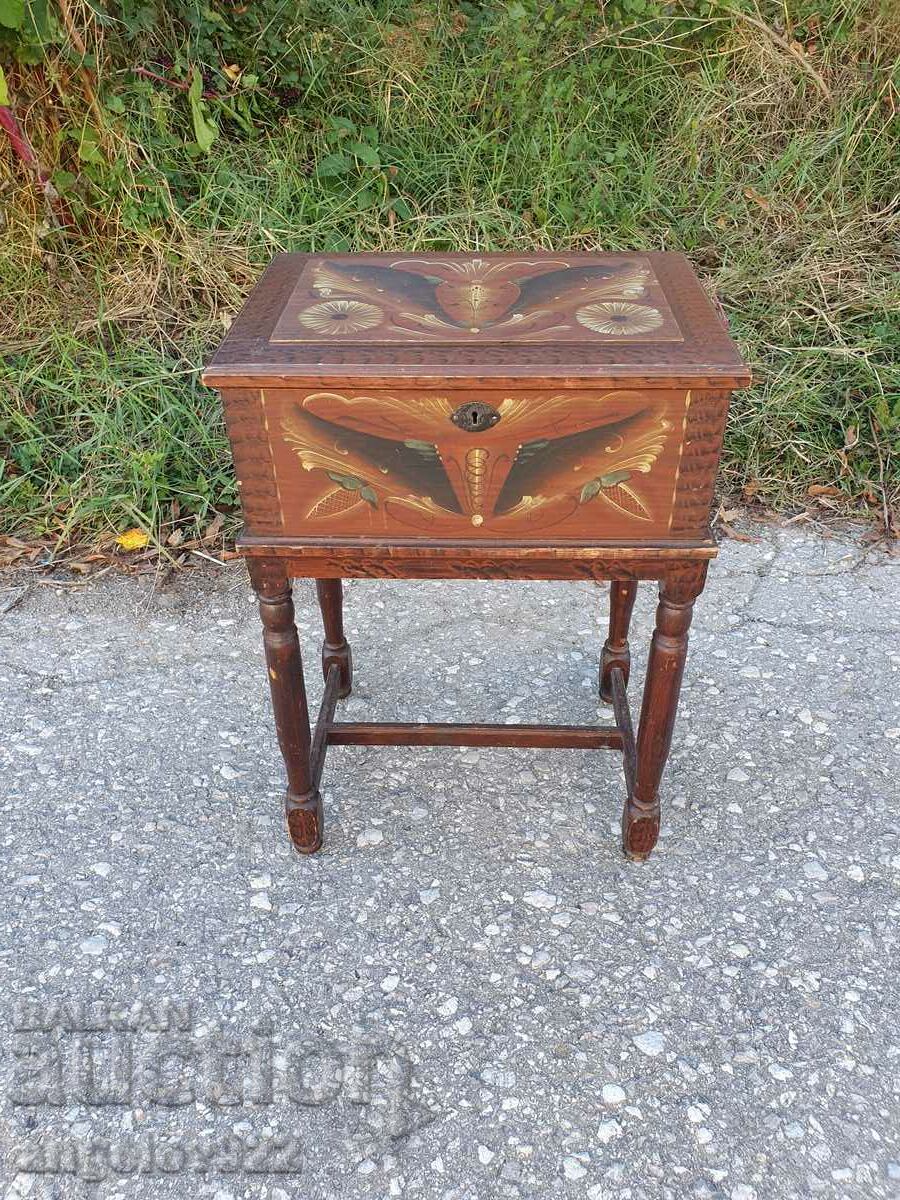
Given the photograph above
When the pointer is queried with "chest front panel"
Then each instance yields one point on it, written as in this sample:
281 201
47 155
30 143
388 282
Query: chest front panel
586 464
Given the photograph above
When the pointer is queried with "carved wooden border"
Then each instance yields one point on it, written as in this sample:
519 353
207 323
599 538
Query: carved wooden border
702 445
678 566
246 425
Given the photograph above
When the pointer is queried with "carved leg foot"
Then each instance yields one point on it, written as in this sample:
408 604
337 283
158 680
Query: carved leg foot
640 831
335 648
305 821
668 651
303 805
616 653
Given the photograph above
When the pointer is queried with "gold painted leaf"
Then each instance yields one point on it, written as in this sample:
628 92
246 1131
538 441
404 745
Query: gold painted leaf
338 501
626 500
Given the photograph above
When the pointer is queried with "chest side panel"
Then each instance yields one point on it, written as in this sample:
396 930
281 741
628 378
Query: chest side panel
585 464
703 433
251 449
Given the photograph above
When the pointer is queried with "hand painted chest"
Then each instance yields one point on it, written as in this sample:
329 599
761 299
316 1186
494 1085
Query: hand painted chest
441 415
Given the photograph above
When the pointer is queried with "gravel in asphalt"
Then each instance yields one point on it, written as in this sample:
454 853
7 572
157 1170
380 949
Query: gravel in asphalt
469 992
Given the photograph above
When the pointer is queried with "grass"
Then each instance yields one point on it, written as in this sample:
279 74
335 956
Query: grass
495 133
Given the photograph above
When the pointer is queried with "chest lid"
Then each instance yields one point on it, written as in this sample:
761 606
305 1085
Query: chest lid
423 317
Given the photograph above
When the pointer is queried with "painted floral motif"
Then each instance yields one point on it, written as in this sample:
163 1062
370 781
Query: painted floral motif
369 299
619 317
507 476
336 317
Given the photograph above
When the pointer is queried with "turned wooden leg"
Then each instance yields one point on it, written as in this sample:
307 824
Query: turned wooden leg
303 804
335 648
668 650
615 649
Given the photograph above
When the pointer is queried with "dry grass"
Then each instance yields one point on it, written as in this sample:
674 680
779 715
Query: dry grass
785 199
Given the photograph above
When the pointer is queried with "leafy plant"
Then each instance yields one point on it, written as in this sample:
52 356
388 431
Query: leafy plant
163 151
359 165
205 130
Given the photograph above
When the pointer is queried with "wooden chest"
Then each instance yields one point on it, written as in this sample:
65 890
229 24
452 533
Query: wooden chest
466 399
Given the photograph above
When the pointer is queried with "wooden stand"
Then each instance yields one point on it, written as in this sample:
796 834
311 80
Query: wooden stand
680 582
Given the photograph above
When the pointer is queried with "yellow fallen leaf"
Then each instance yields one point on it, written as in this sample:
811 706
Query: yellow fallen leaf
132 539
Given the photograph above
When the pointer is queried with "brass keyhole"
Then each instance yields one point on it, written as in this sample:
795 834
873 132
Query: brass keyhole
475 418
